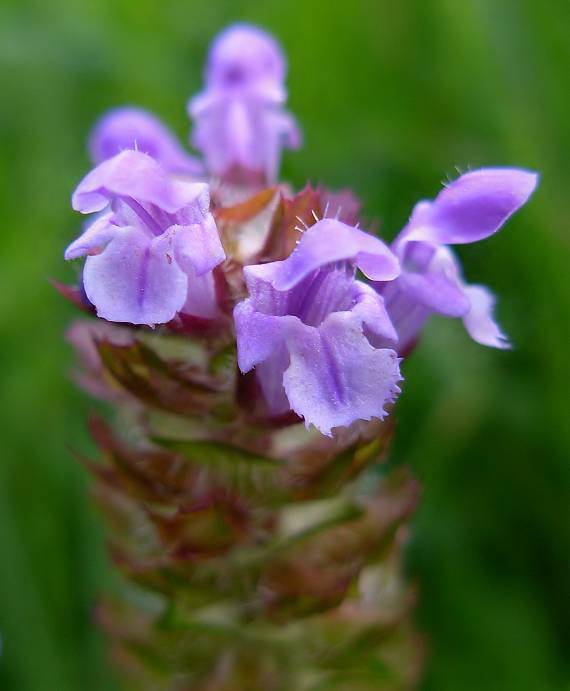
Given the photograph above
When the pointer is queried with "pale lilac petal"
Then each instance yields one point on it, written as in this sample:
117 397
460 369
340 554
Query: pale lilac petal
281 131
435 291
244 133
290 130
201 298
369 307
332 374
94 238
269 375
138 176
326 242
472 207
409 318
211 134
479 321
134 128
241 134
199 246
135 279
335 376
258 335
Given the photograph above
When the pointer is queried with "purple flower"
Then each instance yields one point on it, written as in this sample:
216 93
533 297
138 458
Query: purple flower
153 246
471 208
311 330
135 128
239 120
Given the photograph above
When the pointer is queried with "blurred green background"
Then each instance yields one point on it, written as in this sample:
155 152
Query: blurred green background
392 96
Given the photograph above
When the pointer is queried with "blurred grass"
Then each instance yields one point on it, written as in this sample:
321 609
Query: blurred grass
392 96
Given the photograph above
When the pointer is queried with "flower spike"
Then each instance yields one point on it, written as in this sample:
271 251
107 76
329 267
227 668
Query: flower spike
245 480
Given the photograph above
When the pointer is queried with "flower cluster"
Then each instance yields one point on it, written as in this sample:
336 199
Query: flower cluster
322 341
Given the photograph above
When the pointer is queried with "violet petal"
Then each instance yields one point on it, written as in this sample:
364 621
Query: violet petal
135 279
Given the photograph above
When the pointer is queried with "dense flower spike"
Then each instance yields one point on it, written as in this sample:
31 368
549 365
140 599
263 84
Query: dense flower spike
240 125
310 328
245 484
153 246
469 209
135 128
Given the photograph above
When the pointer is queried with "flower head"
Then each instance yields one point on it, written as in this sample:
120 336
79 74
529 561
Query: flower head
471 208
135 128
311 330
152 248
239 121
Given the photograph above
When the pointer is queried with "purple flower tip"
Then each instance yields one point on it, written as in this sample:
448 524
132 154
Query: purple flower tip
135 128
244 55
472 207
239 121
327 242
152 249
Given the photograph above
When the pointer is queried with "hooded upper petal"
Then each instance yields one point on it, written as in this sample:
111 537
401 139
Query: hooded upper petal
472 207
244 56
135 128
326 242
138 176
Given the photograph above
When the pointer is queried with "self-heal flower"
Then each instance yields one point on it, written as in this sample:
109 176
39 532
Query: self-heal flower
240 124
153 246
471 208
135 128
311 330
